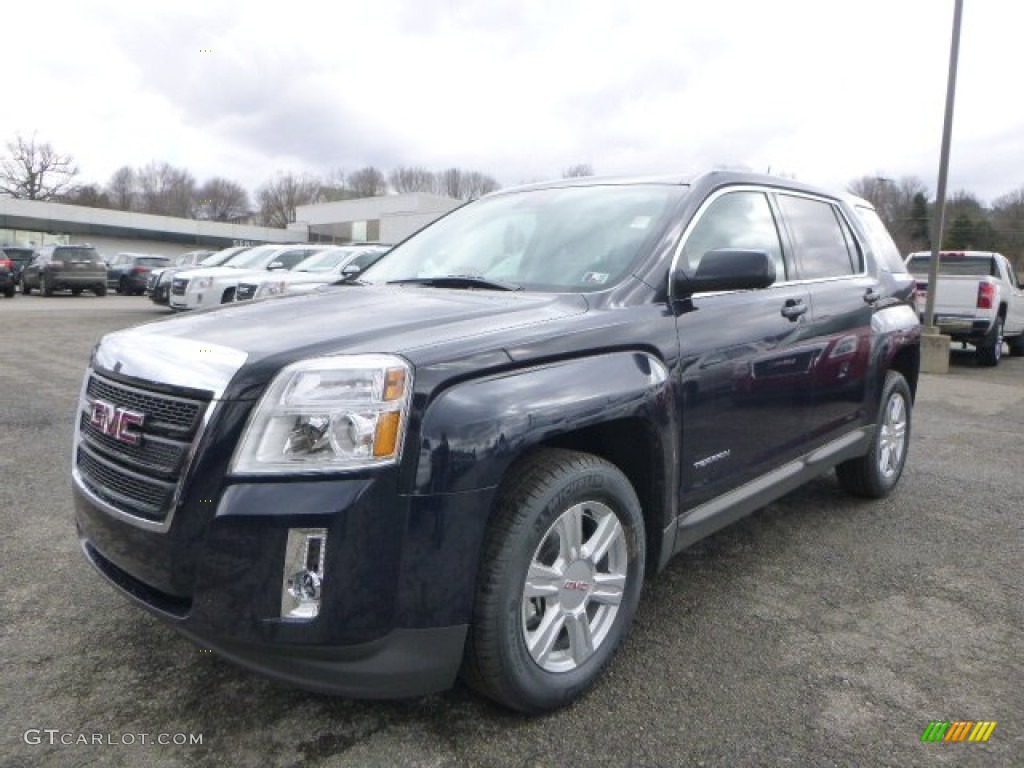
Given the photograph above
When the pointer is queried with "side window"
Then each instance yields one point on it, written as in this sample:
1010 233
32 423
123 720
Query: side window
290 258
735 220
822 247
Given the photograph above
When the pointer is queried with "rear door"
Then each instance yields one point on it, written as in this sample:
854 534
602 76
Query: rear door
743 355
831 263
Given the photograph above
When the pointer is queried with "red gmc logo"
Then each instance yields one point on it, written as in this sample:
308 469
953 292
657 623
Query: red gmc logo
116 422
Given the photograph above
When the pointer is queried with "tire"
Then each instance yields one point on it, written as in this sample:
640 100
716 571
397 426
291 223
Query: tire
535 654
76 291
9 292
100 289
25 290
122 287
45 287
1016 345
875 474
990 352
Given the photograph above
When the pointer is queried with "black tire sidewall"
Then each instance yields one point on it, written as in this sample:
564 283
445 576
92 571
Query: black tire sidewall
538 688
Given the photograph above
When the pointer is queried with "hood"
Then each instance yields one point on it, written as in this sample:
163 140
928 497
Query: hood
266 335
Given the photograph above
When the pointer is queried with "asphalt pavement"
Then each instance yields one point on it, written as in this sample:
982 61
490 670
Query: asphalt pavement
820 631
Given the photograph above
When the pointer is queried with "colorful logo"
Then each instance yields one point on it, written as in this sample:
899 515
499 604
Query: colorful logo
958 730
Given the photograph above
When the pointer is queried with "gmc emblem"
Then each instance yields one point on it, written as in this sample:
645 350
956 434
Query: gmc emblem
116 422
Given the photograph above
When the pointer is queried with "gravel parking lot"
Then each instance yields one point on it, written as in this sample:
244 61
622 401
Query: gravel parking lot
820 631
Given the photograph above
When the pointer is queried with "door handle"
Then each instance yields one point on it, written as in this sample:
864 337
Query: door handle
794 308
871 296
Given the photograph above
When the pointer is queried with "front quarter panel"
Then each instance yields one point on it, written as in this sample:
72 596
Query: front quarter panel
473 431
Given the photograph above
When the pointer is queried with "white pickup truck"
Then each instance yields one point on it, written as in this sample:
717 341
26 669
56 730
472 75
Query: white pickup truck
979 300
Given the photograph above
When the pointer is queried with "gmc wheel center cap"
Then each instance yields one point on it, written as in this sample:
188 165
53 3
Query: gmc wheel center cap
579 580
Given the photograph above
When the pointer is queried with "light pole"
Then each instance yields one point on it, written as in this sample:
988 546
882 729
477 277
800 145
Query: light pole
934 346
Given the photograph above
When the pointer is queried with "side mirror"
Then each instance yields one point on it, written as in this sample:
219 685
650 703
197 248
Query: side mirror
351 269
276 265
726 269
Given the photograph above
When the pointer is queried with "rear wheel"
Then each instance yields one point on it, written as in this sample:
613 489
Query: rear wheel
1016 345
876 474
990 351
122 286
559 580
25 290
45 286
100 289
76 291
9 291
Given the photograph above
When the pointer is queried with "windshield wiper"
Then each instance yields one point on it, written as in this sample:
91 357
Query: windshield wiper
459 281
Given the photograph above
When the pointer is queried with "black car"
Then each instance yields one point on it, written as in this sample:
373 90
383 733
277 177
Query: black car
19 257
127 273
467 459
7 279
75 268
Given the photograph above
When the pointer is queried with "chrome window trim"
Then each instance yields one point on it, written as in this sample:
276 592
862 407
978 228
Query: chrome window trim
787 255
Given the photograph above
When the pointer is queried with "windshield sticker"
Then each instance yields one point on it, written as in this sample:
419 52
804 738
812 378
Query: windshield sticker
640 222
595 278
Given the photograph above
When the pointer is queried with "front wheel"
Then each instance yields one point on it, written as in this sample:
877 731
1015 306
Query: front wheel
45 286
876 474
559 580
1016 345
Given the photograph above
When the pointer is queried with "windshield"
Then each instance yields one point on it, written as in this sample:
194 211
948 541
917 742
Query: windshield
253 258
955 264
562 239
221 257
323 261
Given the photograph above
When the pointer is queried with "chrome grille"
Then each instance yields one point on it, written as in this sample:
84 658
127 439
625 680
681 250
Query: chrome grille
141 479
245 291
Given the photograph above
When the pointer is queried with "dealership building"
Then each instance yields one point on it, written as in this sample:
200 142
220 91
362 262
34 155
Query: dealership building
385 219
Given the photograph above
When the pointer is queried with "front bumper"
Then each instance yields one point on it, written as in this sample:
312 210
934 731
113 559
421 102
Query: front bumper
399 579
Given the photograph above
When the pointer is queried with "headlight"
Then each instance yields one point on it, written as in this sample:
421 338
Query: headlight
199 283
271 288
328 414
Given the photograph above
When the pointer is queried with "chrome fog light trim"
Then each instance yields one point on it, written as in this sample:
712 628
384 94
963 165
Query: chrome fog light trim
303 573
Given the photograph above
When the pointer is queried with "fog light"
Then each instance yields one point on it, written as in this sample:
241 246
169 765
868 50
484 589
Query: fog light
303 573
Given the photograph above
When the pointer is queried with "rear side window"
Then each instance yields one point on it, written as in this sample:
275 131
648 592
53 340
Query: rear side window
735 220
824 245
882 244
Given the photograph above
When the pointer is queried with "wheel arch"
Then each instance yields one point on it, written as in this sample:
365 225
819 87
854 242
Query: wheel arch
618 406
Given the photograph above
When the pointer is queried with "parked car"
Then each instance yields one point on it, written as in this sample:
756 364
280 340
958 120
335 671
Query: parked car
65 267
7 280
979 300
469 459
327 266
19 257
127 273
208 287
158 287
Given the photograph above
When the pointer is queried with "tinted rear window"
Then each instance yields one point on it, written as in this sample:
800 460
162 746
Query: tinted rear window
955 264
153 261
77 254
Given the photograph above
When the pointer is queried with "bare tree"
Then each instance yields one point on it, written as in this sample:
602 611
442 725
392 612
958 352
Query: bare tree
465 185
167 191
578 171
412 179
1008 220
367 182
88 195
335 187
123 189
894 201
279 197
222 200
34 171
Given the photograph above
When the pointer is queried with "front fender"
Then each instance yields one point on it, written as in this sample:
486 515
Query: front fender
472 432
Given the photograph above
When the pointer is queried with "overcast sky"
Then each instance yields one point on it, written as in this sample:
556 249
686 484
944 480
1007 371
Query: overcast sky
822 90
